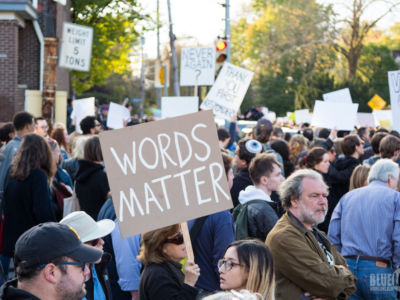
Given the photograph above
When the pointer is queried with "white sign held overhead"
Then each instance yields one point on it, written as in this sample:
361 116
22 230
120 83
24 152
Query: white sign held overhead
76 47
338 115
366 120
228 91
342 95
117 114
81 109
197 66
394 88
178 106
302 116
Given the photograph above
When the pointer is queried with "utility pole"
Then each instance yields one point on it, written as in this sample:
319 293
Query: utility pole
173 53
142 74
158 89
227 31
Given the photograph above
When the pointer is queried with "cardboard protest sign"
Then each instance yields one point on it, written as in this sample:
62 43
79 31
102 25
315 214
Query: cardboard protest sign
76 47
342 95
394 88
178 106
366 120
117 114
197 66
338 115
81 109
377 102
228 91
165 172
302 116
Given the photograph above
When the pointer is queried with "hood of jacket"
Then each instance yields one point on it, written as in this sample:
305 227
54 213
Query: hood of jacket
9 291
86 169
253 193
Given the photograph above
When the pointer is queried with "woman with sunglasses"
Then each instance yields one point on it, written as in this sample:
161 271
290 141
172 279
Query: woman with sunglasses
91 233
162 278
248 265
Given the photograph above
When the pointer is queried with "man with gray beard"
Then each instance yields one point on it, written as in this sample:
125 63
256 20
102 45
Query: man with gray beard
306 263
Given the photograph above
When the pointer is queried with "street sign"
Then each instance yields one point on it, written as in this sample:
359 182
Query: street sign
76 47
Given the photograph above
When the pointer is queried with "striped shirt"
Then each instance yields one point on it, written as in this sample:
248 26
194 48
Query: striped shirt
366 222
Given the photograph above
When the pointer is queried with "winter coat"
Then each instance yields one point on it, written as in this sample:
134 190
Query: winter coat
165 281
91 187
302 266
102 274
240 182
26 203
261 216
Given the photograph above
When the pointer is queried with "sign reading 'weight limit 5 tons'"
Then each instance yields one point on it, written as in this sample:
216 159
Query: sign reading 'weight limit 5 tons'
165 172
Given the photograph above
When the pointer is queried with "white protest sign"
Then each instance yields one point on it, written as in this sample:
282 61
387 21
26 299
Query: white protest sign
338 115
271 116
178 106
81 109
383 118
197 66
76 47
366 120
394 88
165 172
117 114
342 95
302 116
228 91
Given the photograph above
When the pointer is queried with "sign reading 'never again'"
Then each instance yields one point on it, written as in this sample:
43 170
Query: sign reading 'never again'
165 172
76 47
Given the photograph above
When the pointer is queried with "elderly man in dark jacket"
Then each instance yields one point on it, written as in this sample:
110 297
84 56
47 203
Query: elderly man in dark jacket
306 263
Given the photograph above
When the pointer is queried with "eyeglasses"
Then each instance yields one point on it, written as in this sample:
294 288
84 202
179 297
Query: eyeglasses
227 264
177 240
72 263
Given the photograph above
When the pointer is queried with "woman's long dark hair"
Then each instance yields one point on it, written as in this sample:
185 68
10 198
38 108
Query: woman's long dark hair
34 153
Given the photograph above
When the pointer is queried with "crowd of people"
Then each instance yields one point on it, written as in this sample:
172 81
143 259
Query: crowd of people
315 216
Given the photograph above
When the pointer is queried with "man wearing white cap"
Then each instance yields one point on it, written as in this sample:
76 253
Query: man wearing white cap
91 234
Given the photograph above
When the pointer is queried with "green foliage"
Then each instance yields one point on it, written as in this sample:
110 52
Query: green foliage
115 32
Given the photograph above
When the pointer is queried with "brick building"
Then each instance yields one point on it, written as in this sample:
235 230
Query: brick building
30 32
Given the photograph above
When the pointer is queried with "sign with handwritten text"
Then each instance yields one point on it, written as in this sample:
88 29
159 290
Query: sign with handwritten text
228 91
165 172
394 88
197 66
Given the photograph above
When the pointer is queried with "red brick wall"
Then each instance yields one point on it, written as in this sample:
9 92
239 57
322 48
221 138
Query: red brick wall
8 68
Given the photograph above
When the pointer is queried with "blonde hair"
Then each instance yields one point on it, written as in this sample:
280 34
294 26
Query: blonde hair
359 177
79 149
258 263
297 144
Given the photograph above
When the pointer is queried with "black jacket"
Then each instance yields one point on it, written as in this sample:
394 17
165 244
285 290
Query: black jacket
240 182
102 274
91 187
26 203
9 291
71 165
165 281
261 218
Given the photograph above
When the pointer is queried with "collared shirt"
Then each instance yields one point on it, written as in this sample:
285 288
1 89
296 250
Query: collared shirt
9 152
366 222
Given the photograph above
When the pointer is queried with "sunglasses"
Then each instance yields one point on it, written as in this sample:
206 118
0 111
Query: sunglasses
177 239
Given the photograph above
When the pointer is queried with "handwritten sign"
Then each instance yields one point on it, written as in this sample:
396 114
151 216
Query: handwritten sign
394 88
178 106
197 66
342 95
76 47
228 91
338 115
165 172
